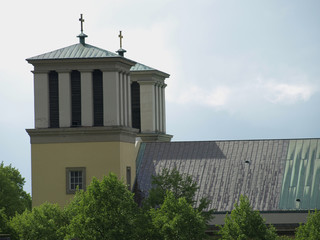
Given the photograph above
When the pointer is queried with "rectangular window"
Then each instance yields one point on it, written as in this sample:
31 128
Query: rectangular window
53 99
135 105
129 178
97 97
76 179
76 98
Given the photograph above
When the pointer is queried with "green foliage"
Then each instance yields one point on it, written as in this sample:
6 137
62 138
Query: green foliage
244 223
105 211
310 230
12 196
46 222
284 238
181 186
177 219
4 223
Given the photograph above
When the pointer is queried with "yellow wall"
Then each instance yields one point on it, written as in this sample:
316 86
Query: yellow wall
49 163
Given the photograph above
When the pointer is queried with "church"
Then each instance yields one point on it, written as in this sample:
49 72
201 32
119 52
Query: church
98 112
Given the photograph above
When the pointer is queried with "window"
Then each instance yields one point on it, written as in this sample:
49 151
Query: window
128 178
53 100
135 105
97 97
76 98
76 178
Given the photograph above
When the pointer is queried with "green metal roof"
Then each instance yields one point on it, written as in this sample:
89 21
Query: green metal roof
75 51
301 182
141 67
85 51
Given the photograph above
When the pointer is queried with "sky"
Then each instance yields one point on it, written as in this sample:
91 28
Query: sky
239 69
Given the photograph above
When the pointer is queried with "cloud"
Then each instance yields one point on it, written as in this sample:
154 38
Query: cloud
285 93
249 94
196 95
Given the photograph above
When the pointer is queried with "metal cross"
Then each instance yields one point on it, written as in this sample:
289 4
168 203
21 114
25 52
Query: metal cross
120 36
81 20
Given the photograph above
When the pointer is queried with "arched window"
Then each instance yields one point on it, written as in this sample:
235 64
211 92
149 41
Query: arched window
97 98
53 100
76 98
135 105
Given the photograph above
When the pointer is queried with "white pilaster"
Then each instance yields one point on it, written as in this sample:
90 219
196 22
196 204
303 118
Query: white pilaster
111 105
125 98
121 99
86 99
160 108
64 99
163 108
129 101
147 106
157 106
41 100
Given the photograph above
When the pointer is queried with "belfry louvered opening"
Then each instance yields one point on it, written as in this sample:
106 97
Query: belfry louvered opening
53 99
97 86
135 105
76 98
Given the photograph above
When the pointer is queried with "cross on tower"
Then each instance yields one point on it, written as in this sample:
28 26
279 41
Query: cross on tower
120 36
121 51
81 21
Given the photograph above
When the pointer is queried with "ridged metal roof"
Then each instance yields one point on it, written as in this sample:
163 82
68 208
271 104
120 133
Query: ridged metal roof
75 51
85 51
222 174
301 185
141 67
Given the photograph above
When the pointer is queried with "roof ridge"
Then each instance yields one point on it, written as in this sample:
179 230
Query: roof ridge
239 140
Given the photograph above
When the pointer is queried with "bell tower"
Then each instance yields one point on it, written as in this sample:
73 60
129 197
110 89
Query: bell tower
91 106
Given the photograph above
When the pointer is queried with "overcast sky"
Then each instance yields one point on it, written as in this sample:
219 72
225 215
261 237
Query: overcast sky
239 69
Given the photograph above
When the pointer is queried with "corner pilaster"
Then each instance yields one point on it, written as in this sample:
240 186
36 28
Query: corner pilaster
111 99
86 99
41 99
148 106
64 99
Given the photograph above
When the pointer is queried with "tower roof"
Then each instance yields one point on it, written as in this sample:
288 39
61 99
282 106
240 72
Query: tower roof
87 51
76 51
141 68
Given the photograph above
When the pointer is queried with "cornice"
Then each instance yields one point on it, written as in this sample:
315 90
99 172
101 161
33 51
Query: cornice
82 134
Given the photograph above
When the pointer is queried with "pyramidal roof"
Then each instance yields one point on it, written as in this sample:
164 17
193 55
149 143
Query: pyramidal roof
142 67
75 51
85 51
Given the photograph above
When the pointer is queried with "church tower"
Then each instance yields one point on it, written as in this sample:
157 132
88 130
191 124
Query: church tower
92 107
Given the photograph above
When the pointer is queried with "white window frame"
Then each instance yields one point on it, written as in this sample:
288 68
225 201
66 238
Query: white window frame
69 171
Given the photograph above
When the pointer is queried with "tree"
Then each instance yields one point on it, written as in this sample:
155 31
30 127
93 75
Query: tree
177 219
12 196
310 230
181 185
105 211
245 223
4 223
47 222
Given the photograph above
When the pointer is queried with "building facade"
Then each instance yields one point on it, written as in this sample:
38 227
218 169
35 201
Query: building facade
92 109
98 112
